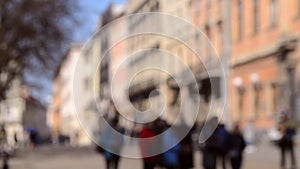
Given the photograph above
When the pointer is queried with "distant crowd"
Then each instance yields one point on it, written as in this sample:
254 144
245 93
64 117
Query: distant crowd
219 146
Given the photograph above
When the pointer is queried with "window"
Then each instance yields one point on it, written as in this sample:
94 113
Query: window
273 11
257 89
298 7
256 15
221 36
208 4
208 48
274 98
220 5
198 5
207 30
240 19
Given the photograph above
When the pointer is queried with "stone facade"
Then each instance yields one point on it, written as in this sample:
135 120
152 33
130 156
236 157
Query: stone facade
264 60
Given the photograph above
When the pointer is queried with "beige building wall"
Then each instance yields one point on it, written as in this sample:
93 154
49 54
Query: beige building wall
12 109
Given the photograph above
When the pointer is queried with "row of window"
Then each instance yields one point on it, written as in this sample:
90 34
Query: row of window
256 15
268 106
273 11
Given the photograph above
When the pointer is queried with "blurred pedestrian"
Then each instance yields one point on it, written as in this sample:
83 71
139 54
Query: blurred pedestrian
287 127
159 126
112 140
216 146
3 142
146 145
171 157
5 161
250 137
223 144
186 154
3 135
236 147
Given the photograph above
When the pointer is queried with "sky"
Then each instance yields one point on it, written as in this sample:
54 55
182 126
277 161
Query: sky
88 15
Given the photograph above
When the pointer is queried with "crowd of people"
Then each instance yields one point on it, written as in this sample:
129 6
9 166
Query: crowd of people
222 147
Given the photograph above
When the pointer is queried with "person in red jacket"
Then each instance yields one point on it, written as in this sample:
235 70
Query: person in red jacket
146 145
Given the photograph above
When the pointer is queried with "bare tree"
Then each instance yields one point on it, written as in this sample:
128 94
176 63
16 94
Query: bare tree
33 36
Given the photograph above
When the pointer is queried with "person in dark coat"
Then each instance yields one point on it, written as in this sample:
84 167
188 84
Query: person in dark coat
237 145
209 153
186 153
216 146
159 126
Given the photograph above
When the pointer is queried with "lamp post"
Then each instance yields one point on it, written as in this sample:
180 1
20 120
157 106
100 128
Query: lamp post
238 83
254 78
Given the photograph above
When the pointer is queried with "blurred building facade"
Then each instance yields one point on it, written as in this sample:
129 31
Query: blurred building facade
111 13
143 52
21 112
265 60
86 89
66 120
245 44
35 118
256 41
12 109
146 82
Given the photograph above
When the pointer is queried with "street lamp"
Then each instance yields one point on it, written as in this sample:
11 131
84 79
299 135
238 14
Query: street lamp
254 78
238 83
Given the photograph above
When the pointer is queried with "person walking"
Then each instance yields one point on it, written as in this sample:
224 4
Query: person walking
216 145
237 145
250 137
171 157
112 140
186 153
287 128
146 145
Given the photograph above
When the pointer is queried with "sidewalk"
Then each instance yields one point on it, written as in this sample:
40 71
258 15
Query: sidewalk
266 156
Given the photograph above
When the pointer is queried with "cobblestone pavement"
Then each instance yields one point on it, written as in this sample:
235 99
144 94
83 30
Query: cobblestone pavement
53 157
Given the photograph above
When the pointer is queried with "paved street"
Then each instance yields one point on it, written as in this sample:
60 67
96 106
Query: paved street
86 158
63 158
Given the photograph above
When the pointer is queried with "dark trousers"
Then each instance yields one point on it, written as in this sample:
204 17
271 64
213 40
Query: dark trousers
223 160
236 162
149 165
113 162
288 146
210 159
